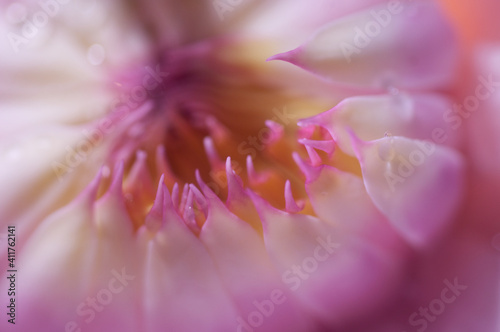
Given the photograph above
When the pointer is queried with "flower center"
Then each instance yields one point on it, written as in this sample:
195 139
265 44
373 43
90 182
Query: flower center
204 109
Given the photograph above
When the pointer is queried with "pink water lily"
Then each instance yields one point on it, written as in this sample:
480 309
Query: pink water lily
249 166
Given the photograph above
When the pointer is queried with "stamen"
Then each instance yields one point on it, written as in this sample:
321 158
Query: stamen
213 157
309 171
277 131
313 156
175 195
291 205
326 146
154 219
254 177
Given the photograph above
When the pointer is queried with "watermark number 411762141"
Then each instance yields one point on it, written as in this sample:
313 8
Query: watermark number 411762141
11 274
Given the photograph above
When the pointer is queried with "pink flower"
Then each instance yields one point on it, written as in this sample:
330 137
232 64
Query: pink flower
160 175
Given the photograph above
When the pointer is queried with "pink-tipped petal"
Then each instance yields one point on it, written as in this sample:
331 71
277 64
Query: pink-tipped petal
116 186
313 156
170 256
326 146
380 48
184 197
246 270
163 166
217 130
199 198
309 171
139 185
305 130
291 205
234 183
154 220
189 214
277 131
253 176
213 157
175 195
418 116
112 216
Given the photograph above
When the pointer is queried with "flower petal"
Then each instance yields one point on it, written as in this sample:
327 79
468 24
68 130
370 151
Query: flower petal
418 116
247 272
180 278
381 48
341 199
418 185
330 272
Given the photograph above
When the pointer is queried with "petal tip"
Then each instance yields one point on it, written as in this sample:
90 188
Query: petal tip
285 56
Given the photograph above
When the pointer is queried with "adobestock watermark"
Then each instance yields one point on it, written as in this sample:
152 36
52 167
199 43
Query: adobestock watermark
483 91
363 36
122 107
32 24
263 309
225 6
292 278
455 117
406 166
93 305
257 143
428 314
153 78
